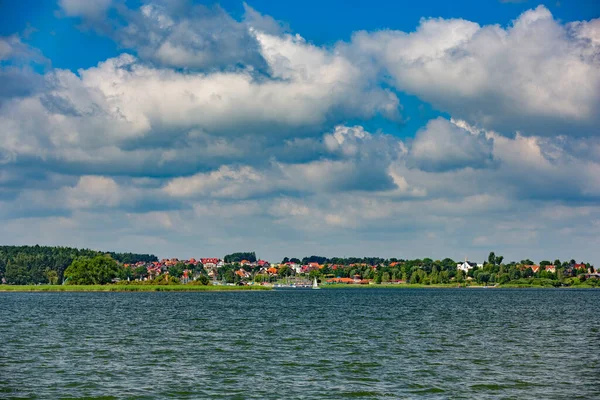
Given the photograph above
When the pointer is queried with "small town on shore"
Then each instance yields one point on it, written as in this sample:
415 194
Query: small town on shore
35 265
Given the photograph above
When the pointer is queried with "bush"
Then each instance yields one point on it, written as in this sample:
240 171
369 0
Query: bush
202 280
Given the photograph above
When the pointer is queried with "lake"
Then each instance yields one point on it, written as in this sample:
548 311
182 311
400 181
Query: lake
303 344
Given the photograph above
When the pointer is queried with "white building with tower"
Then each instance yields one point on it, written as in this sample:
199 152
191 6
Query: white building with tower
467 265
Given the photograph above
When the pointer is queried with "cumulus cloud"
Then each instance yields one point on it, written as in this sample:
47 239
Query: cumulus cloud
226 182
124 112
537 75
443 146
14 49
189 36
93 191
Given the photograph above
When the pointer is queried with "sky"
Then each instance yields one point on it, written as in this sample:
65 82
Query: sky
340 128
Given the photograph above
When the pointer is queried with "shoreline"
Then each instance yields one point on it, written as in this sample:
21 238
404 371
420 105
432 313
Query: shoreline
450 286
128 288
211 288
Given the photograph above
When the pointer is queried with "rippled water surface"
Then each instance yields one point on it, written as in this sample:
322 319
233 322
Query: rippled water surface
368 343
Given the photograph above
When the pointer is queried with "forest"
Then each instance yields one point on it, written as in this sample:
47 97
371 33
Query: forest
23 265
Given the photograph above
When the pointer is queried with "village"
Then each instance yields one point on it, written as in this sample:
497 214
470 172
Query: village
297 272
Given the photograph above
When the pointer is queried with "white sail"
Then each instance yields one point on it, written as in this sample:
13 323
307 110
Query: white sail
315 285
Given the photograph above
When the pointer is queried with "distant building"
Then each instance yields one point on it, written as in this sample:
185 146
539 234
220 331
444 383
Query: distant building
242 273
467 265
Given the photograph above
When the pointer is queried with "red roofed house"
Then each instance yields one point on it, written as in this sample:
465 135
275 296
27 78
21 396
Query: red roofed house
535 268
242 273
340 280
550 268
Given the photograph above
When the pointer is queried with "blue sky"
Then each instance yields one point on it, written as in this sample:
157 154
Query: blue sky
322 23
404 129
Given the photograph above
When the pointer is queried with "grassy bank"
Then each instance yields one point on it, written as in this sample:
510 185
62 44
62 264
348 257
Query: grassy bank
126 288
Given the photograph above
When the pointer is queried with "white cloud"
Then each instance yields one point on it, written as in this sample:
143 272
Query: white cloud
537 76
226 182
93 191
442 146
125 113
188 36
346 139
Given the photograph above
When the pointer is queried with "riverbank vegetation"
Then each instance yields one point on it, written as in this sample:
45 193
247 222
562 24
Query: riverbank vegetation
22 265
54 266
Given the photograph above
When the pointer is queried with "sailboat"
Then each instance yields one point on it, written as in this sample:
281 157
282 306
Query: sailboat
315 285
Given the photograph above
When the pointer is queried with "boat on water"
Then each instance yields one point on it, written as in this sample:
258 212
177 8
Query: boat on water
315 284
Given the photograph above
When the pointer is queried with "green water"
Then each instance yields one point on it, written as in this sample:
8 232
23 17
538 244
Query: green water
437 343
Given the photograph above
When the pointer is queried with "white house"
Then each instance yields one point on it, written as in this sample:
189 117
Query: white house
467 265
296 267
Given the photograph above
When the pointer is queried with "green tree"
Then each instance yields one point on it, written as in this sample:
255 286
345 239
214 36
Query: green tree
229 276
98 270
414 277
284 271
203 279
492 258
177 269
557 263
237 257
514 274
52 276
444 277
448 264
26 269
483 277
385 277
140 273
315 273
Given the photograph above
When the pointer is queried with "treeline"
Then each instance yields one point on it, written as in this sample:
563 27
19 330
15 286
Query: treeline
131 258
238 257
23 265
360 260
429 272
